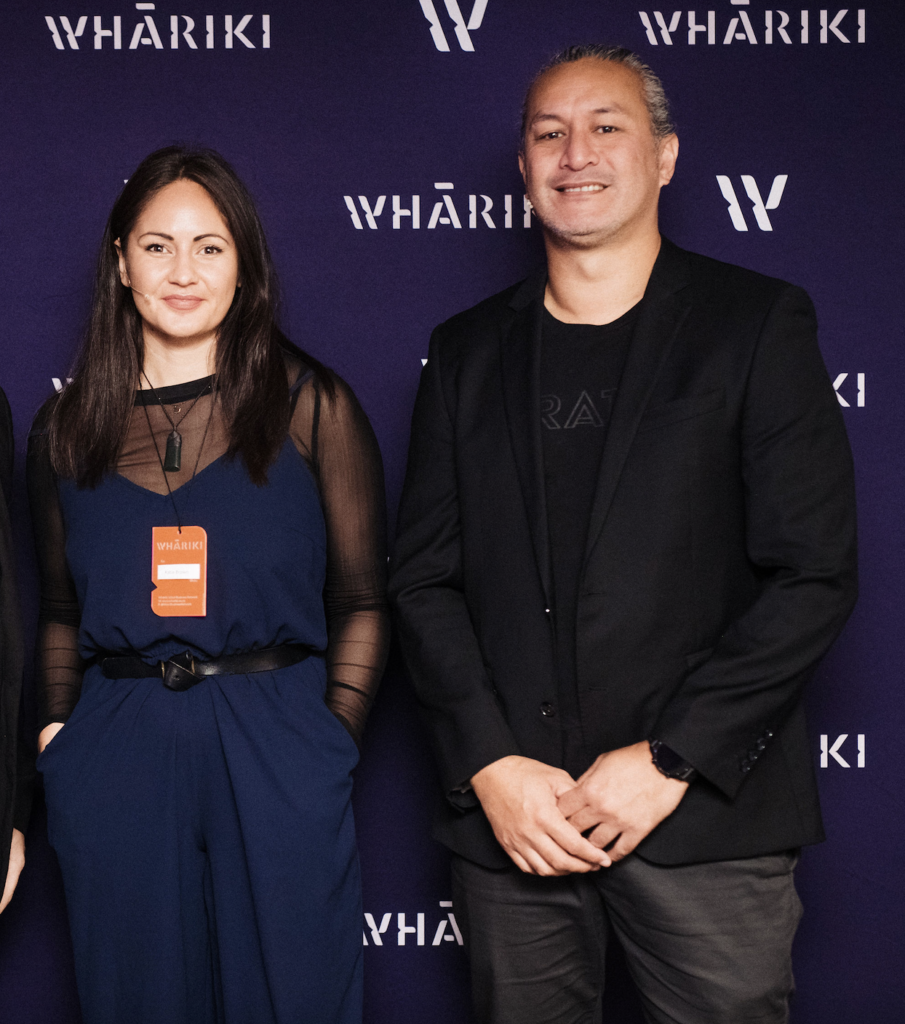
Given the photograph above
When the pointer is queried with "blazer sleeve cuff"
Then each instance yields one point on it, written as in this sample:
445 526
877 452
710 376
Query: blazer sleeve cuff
726 761
468 758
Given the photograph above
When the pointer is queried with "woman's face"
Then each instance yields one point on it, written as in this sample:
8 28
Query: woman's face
181 263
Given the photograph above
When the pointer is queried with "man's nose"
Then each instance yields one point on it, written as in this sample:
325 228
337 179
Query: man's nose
579 152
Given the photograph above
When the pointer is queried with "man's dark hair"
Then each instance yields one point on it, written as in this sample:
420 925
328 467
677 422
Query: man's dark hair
651 87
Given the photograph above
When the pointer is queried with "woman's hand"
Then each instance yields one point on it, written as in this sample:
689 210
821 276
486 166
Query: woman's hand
16 863
47 734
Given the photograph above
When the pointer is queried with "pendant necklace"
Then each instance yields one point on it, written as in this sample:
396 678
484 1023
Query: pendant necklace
163 466
172 462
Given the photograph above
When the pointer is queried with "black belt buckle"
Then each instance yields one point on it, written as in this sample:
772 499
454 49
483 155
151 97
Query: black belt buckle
179 672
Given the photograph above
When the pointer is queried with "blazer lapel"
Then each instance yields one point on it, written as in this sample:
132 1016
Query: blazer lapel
664 307
520 363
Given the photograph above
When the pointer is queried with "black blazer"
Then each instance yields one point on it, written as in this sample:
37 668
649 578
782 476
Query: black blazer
16 761
720 562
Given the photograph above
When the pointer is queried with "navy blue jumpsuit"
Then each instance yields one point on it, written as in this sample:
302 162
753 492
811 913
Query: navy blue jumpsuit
206 837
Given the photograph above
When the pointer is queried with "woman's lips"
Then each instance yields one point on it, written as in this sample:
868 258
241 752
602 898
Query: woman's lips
183 302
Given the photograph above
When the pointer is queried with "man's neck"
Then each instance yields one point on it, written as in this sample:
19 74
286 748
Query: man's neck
597 286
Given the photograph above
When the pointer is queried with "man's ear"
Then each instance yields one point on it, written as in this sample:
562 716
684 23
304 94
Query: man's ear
123 272
668 154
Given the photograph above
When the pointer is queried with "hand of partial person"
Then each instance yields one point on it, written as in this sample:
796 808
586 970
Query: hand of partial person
47 734
519 796
16 863
622 797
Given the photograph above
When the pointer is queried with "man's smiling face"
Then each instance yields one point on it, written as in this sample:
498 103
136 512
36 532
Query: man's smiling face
592 166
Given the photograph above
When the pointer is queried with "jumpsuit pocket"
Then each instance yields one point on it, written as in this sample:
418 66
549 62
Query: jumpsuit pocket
346 735
49 753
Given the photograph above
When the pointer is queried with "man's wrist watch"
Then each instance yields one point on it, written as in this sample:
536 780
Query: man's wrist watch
669 763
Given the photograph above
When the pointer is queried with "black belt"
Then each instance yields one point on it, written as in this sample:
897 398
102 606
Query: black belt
183 671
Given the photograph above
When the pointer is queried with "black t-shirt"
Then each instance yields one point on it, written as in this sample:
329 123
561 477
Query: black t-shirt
579 376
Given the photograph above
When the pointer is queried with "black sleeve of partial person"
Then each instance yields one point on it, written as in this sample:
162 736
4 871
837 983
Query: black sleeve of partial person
7 447
438 642
800 515
17 755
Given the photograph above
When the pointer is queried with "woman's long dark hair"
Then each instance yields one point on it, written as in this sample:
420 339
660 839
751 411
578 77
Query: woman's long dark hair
90 416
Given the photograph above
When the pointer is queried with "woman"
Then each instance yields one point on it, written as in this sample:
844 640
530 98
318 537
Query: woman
210 522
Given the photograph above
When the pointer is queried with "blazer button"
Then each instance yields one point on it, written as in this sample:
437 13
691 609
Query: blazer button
547 710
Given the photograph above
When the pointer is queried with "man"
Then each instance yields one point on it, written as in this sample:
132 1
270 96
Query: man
626 538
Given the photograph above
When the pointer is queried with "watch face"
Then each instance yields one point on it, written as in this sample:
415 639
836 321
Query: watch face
669 763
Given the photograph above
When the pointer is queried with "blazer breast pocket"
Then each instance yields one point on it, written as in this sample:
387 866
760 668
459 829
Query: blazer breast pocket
682 409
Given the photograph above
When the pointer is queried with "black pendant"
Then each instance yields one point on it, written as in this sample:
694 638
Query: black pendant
173 461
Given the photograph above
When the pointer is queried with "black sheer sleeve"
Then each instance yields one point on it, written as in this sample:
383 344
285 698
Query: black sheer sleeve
333 434
58 664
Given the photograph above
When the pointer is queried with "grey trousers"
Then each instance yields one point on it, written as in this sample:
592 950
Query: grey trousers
705 943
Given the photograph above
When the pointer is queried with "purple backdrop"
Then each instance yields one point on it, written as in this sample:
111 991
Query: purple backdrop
379 140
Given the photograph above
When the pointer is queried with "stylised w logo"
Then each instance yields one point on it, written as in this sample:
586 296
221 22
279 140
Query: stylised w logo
759 207
461 28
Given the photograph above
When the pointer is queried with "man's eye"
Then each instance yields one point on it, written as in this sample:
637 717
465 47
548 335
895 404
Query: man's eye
551 135
606 128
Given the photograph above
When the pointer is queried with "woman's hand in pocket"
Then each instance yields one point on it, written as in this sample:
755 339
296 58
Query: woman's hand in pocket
47 734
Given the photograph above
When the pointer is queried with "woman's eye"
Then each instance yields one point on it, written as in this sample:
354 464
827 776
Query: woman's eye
211 250
154 247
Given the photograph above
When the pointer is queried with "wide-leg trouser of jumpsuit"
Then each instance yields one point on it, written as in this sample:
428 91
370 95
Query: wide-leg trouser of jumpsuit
208 852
